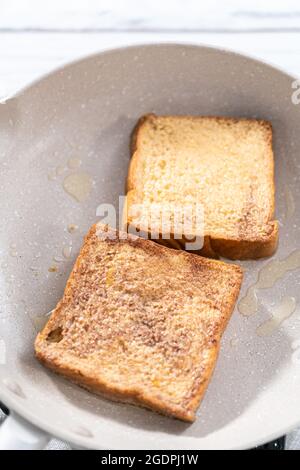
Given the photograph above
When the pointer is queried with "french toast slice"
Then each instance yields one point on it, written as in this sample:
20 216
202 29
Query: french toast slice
140 323
226 165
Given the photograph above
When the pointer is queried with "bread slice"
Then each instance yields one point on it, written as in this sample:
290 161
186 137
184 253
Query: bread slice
140 323
224 164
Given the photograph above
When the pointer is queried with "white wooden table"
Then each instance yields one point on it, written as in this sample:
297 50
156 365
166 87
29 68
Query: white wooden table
36 37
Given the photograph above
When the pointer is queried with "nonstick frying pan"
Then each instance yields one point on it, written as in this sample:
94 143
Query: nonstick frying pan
77 121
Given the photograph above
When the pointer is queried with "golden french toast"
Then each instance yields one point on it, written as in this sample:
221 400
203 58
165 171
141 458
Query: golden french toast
224 164
140 323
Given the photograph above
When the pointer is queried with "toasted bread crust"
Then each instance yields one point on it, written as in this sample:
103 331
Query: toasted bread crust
82 369
245 245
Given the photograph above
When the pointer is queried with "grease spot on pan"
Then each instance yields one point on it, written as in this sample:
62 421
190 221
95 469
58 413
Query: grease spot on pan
74 163
78 185
52 175
280 313
60 170
267 277
39 321
72 228
53 268
57 259
67 251
234 342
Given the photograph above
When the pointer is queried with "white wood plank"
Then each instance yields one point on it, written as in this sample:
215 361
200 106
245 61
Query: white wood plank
146 15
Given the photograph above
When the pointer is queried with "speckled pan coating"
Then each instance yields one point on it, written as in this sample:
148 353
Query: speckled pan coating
87 110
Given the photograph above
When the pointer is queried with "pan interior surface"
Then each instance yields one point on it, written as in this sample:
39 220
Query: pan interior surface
64 150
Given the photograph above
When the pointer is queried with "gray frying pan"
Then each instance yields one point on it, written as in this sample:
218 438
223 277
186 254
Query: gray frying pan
63 151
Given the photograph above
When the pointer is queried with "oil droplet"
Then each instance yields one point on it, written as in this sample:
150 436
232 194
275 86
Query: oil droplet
78 185
248 304
58 259
267 277
39 322
66 251
51 175
234 342
74 163
13 253
60 169
53 268
280 313
72 228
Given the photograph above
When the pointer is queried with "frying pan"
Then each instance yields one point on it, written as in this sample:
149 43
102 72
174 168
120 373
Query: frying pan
86 111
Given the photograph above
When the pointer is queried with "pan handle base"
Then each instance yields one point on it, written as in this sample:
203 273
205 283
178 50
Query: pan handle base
18 434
